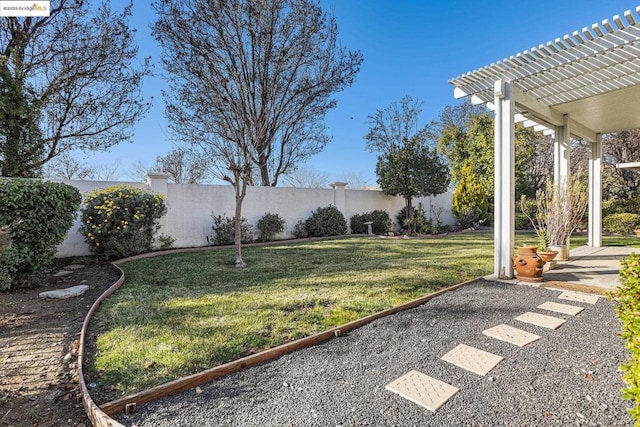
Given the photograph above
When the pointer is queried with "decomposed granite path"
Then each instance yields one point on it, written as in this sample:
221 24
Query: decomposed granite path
486 354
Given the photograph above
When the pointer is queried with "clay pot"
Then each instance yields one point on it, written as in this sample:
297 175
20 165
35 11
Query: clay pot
528 264
547 256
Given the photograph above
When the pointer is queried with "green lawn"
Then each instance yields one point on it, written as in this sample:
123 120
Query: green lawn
180 314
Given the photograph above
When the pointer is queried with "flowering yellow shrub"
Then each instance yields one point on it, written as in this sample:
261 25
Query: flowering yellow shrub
120 221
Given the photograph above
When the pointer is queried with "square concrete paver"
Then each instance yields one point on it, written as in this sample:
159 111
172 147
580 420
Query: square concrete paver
571 310
541 320
511 335
579 297
472 359
422 389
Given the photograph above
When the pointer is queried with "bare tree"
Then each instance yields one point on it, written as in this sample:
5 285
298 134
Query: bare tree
184 166
68 82
307 178
391 126
107 171
271 64
138 171
355 180
67 167
251 81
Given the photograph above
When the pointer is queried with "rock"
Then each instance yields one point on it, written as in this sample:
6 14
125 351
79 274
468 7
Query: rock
198 390
73 291
390 234
62 273
72 267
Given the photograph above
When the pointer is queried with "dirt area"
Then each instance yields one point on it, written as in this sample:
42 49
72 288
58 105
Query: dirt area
38 347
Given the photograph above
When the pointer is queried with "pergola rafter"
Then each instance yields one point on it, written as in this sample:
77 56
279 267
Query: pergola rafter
583 85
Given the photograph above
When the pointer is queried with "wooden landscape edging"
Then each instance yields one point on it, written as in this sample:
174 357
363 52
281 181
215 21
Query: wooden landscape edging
185 383
97 417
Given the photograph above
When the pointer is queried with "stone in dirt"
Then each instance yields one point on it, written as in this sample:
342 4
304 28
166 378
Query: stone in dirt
72 267
73 291
62 273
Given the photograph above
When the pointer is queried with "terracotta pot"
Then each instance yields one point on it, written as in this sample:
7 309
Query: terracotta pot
528 264
547 256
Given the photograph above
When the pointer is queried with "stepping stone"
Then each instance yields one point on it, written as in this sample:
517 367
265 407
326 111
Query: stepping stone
578 297
477 361
537 319
511 335
72 267
571 310
422 389
73 291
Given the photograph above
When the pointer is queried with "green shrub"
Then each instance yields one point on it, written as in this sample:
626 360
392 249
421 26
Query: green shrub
627 306
418 222
224 230
630 205
621 223
401 216
38 215
381 222
300 229
166 241
120 221
270 225
327 221
522 222
470 202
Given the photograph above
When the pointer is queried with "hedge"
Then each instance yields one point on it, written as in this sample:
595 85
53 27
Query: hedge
621 223
627 306
37 215
327 221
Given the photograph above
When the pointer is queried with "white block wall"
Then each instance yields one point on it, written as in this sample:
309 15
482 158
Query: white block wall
189 207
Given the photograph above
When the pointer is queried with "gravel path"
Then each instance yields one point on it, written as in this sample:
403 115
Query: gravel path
568 377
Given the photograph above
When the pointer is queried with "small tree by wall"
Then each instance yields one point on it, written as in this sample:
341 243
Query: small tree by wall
412 170
470 202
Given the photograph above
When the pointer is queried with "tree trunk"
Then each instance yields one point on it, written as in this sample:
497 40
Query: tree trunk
240 187
409 206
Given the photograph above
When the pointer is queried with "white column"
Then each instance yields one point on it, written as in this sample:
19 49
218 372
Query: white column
562 153
562 159
340 198
595 193
504 217
158 183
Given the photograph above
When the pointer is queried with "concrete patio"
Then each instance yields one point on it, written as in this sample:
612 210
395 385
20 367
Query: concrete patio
591 266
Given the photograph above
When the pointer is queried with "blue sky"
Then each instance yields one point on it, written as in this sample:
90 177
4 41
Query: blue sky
409 47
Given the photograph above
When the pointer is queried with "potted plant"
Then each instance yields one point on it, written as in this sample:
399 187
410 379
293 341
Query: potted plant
559 210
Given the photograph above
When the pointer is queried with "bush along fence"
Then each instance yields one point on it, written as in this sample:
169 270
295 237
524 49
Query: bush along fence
628 311
34 219
193 208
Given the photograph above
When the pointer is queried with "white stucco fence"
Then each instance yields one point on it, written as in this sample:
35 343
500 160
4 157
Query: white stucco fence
189 207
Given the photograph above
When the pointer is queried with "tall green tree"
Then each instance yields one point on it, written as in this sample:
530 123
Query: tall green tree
21 146
412 170
68 81
466 138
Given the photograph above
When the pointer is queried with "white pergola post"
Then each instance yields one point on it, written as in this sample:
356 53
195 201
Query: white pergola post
595 193
504 217
562 153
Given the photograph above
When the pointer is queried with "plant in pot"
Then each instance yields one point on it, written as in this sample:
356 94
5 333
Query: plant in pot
559 210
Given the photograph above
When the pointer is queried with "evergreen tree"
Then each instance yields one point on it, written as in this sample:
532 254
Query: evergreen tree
412 170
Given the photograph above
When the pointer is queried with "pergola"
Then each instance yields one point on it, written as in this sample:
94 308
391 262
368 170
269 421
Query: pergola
581 85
